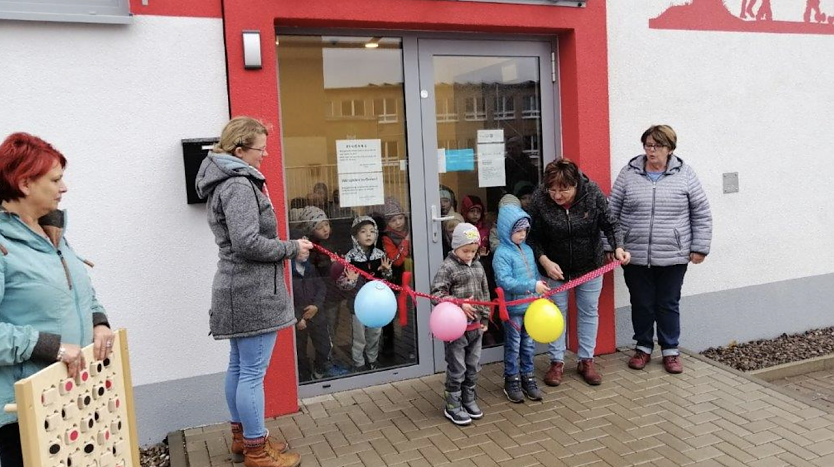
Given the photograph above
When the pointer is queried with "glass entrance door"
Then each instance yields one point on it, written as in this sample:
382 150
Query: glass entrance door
488 130
399 135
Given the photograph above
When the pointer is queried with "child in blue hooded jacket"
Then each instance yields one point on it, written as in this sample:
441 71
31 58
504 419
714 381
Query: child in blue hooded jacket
515 272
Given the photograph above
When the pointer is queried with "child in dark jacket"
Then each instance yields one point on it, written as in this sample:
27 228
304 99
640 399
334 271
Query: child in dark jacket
366 257
516 273
308 293
462 276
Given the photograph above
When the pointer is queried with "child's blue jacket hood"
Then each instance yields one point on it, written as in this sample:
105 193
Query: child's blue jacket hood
514 265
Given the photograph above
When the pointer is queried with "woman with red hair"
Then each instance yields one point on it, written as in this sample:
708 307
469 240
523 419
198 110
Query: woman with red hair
48 309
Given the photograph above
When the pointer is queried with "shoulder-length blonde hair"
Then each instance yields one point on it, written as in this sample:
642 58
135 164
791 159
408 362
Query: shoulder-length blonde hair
239 132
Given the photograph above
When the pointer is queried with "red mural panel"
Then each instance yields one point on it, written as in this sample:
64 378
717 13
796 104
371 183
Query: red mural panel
583 89
754 16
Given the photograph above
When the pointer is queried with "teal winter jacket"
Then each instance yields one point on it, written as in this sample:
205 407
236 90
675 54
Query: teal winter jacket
46 298
514 265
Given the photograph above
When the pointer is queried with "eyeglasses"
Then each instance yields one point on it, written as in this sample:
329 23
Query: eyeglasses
654 146
261 150
566 191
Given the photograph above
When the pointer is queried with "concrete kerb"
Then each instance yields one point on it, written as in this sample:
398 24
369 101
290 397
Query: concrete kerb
176 449
786 370
755 379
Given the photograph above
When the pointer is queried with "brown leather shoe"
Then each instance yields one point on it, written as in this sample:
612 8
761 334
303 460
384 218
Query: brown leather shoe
672 364
639 360
265 452
588 372
553 377
237 442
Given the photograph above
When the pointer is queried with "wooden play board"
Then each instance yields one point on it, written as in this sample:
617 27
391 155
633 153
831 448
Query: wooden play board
87 421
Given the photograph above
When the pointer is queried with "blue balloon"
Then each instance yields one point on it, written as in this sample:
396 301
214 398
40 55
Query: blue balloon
375 304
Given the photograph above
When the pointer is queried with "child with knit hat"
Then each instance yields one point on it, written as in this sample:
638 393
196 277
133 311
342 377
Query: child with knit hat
366 257
311 222
462 276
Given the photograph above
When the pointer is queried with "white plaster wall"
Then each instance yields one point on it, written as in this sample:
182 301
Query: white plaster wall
757 104
117 100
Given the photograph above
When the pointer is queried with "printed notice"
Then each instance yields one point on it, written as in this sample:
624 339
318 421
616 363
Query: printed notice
441 160
359 155
359 163
361 189
491 165
460 160
490 136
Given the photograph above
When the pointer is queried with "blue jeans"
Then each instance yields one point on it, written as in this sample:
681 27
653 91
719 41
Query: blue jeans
587 322
655 298
518 345
248 359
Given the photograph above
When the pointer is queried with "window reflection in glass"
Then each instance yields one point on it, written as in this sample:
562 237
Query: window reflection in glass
489 90
333 88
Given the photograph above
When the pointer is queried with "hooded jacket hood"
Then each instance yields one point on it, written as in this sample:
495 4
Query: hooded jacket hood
217 168
507 217
54 224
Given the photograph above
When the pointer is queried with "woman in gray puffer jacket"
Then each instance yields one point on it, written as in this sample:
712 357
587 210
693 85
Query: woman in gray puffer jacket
249 301
666 221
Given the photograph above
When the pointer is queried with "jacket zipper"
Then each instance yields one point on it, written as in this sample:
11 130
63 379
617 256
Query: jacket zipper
570 242
66 268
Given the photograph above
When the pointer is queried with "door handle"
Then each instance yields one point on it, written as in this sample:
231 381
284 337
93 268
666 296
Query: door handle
436 223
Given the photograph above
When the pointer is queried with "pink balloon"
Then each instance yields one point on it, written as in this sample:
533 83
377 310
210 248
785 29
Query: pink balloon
447 322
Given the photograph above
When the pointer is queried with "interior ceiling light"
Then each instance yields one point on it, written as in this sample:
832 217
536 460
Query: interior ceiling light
373 43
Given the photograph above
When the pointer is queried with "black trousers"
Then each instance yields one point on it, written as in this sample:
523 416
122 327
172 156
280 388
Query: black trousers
11 454
316 331
655 299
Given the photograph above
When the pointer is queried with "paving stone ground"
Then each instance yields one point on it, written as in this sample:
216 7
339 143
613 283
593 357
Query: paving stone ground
818 386
707 416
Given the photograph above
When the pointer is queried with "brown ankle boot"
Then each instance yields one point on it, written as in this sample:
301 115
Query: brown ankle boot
588 372
266 452
553 377
237 442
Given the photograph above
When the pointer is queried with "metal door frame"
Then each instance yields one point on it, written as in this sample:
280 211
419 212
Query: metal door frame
429 48
421 142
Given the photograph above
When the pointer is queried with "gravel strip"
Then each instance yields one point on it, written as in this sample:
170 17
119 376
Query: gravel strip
155 455
765 353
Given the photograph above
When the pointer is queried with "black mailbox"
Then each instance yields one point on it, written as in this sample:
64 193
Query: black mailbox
193 152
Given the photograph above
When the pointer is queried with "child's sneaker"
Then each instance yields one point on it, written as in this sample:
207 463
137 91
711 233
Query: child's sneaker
469 403
530 388
454 411
512 388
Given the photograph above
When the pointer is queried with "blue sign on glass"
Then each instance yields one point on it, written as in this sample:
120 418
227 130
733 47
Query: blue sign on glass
460 160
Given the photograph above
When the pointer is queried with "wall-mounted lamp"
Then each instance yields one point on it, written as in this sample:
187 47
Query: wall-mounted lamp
252 50
373 43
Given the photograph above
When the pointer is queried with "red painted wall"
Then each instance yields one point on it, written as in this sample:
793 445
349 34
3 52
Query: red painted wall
192 8
583 69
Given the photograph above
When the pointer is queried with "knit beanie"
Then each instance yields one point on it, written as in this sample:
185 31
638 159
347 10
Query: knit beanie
392 207
444 193
465 234
309 217
359 222
509 200
521 224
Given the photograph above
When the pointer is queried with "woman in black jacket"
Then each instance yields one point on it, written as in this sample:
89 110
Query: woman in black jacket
568 212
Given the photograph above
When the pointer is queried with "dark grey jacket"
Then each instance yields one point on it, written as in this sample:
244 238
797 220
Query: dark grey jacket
248 296
664 221
571 237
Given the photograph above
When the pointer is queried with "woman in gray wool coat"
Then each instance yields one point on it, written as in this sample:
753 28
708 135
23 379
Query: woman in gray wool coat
666 220
249 301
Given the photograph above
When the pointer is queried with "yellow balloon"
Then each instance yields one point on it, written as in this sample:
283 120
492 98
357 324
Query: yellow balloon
544 321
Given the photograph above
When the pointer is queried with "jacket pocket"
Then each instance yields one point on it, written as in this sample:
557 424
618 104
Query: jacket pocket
275 279
678 239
